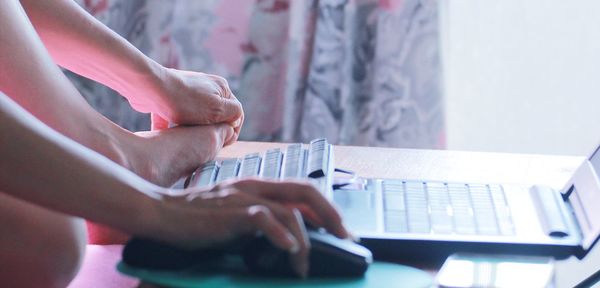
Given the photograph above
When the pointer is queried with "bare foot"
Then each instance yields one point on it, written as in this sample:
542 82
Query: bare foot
165 156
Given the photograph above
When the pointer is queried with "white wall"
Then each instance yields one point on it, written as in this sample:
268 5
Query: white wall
522 75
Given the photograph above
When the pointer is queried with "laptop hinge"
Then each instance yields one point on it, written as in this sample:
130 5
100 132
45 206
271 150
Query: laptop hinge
549 211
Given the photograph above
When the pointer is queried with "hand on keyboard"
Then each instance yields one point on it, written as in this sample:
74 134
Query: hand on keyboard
236 208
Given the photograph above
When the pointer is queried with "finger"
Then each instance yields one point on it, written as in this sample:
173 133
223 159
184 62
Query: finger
233 138
157 122
300 193
231 111
209 227
222 84
261 218
291 219
230 108
236 126
227 134
300 260
307 213
239 122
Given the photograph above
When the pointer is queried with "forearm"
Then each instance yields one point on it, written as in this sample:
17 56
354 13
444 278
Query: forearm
80 43
42 166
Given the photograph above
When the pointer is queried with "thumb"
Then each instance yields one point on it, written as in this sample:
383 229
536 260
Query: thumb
158 123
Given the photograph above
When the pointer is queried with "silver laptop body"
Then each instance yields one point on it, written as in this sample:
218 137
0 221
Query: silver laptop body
432 218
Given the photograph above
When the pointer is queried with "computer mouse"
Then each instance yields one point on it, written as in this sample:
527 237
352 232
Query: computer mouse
151 254
329 257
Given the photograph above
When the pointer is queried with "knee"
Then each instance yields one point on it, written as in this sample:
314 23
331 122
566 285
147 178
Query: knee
48 257
62 253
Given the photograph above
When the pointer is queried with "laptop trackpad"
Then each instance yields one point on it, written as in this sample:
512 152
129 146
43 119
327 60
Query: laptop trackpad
358 208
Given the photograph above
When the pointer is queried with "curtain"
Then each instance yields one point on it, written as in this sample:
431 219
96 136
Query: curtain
358 72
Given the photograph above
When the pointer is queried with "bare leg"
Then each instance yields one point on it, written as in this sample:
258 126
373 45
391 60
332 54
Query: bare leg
30 77
38 247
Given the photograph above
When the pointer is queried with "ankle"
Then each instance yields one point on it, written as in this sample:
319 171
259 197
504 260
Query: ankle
137 153
124 148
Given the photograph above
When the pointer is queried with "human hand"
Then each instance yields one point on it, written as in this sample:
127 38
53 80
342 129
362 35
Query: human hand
187 98
203 218
163 157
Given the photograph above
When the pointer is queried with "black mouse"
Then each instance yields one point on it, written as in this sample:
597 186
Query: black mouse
151 254
329 257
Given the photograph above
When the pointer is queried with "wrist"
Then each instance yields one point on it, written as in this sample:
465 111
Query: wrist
144 85
150 214
164 219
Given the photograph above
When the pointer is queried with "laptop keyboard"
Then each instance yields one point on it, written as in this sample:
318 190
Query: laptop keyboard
409 206
297 162
445 208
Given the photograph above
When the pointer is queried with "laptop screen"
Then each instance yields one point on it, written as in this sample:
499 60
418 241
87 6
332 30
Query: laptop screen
584 196
595 161
585 200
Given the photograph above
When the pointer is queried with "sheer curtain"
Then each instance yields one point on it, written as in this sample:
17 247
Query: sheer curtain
357 72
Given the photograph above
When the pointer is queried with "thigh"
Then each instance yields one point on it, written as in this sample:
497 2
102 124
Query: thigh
38 247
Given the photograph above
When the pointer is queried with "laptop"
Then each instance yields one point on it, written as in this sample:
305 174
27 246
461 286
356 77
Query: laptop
416 219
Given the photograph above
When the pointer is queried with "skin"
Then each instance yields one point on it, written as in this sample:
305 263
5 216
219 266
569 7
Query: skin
82 44
56 169
61 160
64 109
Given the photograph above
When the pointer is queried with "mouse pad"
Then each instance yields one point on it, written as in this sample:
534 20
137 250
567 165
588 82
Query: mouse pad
379 274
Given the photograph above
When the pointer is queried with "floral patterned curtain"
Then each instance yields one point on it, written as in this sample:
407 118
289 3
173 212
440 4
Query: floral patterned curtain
359 72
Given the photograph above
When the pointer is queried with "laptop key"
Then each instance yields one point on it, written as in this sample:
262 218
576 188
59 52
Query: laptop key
465 225
318 158
391 188
294 162
417 207
395 222
462 215
272 164
229 169
206 175
483 210
441 223
503 215
415 226
250 165
394 201
414 186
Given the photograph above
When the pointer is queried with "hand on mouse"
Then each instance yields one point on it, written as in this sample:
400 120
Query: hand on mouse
203 218
163 157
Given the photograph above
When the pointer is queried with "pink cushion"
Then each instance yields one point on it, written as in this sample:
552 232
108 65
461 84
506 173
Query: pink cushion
99 269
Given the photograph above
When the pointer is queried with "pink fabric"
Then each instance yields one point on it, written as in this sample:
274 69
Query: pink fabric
230 34
358 72
99 269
